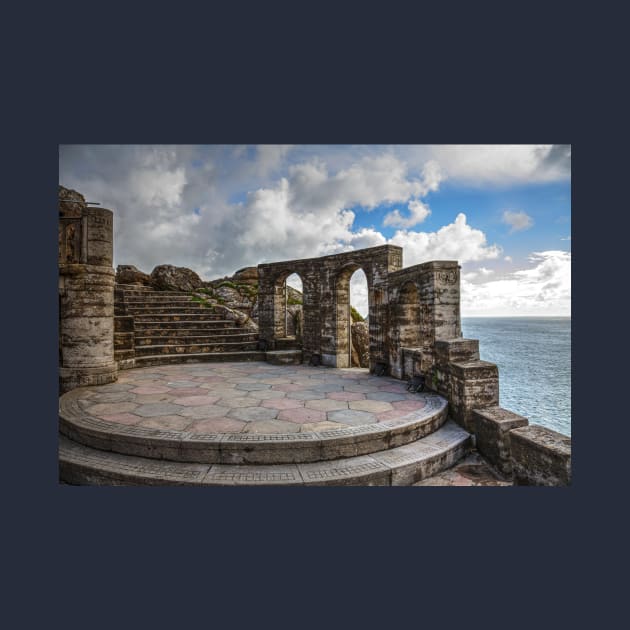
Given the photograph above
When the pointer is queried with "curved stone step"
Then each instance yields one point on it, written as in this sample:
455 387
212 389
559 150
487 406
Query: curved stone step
181 325
248 448
398 466
157 340
207 357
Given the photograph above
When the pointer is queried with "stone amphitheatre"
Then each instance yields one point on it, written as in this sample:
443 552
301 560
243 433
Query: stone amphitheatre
165 381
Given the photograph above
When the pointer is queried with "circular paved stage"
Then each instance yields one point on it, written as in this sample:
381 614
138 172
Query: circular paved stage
249 398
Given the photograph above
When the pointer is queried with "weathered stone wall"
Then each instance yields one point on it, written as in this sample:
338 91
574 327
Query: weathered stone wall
326 301
540 456
86 293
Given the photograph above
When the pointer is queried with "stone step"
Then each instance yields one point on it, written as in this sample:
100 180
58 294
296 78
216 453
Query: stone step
397 466
205 315
195 348
170 340
150 293
206 324
176 332
248 448
169 310
207 357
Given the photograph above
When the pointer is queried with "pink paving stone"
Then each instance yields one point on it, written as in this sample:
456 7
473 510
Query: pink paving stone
188 391
150 389
212 379
282 403
217 425
392 415
345 396
395 389
374 406
195 401
122 418
302 416
409 405
289 387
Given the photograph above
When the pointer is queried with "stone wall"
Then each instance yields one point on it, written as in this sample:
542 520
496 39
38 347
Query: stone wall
326 302
86 293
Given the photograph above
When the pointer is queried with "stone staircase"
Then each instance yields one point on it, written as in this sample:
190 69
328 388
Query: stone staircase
158 327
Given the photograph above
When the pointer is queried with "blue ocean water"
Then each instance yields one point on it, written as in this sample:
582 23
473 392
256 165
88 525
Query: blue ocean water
534 359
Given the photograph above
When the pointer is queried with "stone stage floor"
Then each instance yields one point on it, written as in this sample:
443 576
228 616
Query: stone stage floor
252 397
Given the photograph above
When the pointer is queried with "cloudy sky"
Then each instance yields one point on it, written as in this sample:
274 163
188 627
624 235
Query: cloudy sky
502 211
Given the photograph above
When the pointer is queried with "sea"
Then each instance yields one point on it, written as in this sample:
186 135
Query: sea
534 359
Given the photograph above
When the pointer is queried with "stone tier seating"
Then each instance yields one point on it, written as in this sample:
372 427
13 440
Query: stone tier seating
398 451
157 327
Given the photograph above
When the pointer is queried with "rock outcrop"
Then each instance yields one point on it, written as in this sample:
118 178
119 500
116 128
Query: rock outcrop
171 278
128 274
360 345
246 275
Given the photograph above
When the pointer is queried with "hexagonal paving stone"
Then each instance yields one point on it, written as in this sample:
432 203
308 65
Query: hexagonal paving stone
218 386
195 401
394 388
306 394
253 387
345 396
394 414
169 423
151 398
361 389
272 426
150 389
269 394
373 406
110 408
351 417
326 404
253 414
290 387
207 411
302 416
176 384
283 403
122 418
239 402
409 405
217 425
327 387
158 409
386 396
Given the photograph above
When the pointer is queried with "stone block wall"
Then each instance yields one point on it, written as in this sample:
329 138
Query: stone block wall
540 456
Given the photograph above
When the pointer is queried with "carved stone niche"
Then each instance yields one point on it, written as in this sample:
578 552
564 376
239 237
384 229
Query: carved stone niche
72 227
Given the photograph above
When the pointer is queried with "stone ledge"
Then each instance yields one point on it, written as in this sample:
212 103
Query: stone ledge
540 456
492 426
456 351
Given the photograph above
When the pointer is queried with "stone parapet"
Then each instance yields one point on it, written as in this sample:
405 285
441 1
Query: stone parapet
540 456
470 385
492 427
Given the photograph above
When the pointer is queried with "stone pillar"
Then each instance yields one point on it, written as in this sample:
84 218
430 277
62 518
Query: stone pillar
86 293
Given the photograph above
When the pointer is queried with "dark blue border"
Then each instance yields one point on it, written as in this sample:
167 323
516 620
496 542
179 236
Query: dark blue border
96 556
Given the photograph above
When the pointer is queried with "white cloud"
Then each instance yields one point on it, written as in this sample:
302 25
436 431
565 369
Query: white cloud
418 212
508 258
456 241
544 289
517 220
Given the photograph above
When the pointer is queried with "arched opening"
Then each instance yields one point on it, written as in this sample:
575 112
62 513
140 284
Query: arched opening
351 286
289 319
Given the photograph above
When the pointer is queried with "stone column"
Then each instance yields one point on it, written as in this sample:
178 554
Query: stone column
86 293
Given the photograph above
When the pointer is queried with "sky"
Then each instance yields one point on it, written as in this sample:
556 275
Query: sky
502 211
